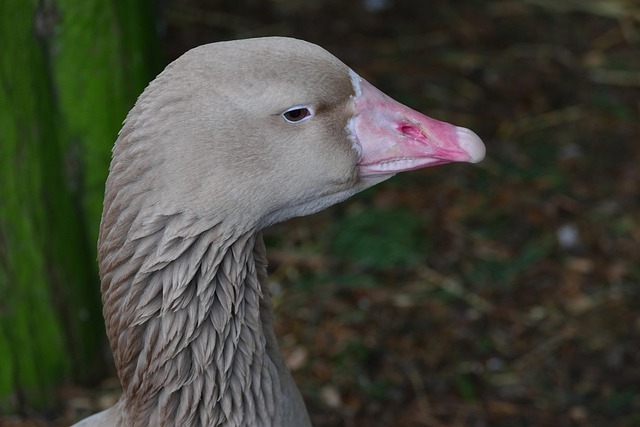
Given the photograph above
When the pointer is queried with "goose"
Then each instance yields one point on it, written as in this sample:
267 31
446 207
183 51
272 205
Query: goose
230 138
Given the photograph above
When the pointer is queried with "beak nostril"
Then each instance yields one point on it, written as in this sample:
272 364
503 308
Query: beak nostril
411 131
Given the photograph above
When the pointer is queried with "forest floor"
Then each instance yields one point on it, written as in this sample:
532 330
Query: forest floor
500 294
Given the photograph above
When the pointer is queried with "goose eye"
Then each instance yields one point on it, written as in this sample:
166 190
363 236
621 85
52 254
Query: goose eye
297 114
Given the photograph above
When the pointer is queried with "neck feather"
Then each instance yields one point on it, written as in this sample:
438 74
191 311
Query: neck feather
185 316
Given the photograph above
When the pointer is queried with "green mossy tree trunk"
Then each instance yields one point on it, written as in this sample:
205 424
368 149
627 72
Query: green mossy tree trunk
69 72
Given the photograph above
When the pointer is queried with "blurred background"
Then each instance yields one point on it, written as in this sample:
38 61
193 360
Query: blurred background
500 294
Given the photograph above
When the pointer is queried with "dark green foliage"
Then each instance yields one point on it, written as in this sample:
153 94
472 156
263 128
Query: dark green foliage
379 238
70 70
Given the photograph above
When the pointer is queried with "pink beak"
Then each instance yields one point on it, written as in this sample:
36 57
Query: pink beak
394 138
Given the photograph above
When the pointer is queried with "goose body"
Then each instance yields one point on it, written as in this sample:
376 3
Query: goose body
231 138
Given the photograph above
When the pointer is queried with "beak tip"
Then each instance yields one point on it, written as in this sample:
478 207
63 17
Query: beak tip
471 144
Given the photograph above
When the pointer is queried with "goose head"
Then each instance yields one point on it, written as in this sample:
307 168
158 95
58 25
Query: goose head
261 130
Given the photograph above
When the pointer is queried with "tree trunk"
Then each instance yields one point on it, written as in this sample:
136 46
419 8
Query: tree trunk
69 72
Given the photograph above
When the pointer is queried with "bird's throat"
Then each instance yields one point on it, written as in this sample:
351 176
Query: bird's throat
199 346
